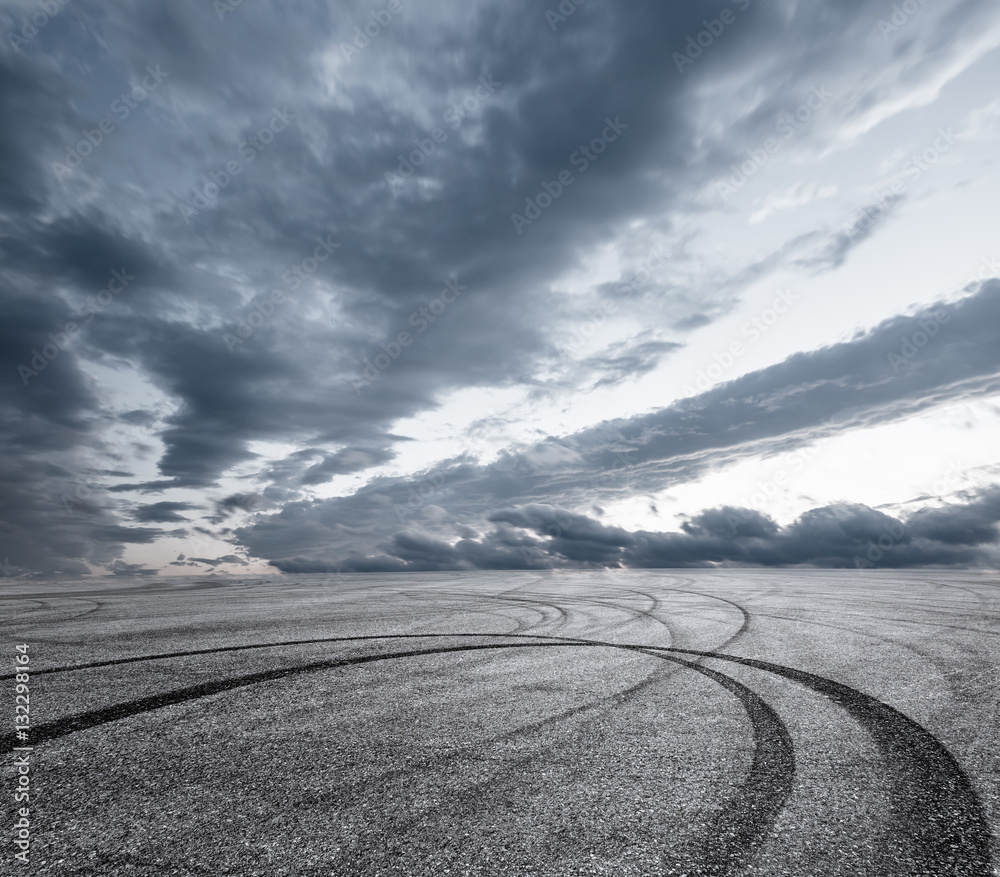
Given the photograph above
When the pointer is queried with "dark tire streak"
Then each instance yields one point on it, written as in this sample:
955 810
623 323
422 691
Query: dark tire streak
738 830
94 718
744 626
937 806
747 819
889 641
221 649
910 621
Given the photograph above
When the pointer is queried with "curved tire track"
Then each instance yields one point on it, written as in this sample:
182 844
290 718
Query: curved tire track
940 809
738 830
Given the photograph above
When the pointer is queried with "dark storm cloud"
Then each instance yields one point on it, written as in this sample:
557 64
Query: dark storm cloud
163 512
344 462
33 96
905 365
237 502
971 524
837 536
291 375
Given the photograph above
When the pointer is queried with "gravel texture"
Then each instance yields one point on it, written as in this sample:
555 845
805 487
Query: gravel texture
586 723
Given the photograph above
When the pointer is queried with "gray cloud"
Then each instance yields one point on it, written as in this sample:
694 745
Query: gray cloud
787 405
67 498
838 536
163 512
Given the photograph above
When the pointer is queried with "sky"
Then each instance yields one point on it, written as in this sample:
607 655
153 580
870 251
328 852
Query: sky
495 284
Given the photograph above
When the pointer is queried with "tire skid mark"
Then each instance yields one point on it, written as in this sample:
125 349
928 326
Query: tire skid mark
922 604
221 649
744 626
522 625
94 718
940 809
975 594
748 818
895 643
945 816
25 615
529 599
909 621
633 614
633 691
738 829
558 622
304 642
46 614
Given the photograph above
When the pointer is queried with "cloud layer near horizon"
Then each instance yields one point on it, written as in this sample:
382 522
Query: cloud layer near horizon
900 368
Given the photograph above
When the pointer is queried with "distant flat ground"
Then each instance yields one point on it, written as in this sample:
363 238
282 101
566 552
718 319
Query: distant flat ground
512 723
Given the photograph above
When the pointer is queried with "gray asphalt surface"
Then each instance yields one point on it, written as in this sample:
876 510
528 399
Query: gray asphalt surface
584 723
